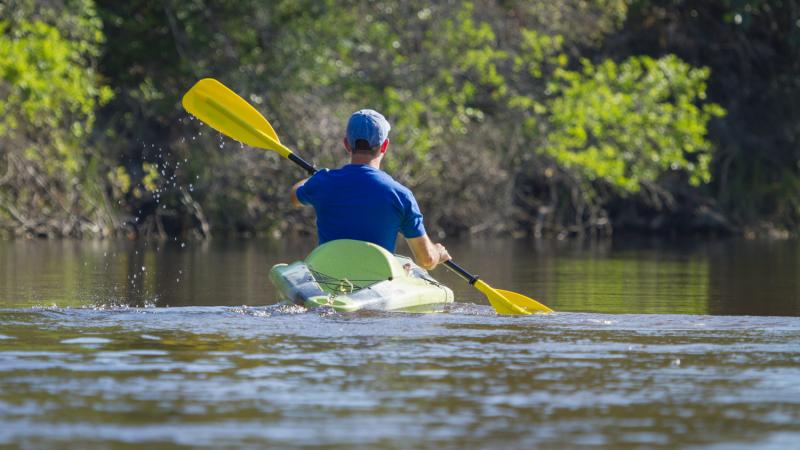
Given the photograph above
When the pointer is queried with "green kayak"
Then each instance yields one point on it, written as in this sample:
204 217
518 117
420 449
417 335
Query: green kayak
349 275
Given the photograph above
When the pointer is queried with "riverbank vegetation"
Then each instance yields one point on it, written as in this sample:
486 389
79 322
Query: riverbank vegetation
567 118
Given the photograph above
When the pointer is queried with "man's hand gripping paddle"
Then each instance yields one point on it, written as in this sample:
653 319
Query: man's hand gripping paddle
225 111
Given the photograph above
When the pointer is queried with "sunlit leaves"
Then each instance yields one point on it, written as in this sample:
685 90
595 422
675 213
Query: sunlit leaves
50 92
632 121
43 80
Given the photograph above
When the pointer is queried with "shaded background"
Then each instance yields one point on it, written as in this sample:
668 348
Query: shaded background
566 118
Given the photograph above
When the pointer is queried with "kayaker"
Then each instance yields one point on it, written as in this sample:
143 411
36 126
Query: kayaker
360 201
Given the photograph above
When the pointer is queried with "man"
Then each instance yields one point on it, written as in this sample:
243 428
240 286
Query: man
360 201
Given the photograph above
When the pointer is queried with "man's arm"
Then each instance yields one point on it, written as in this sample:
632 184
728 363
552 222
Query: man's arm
295 200
426 253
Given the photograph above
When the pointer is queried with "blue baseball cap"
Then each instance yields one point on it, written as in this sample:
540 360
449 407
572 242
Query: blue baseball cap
369 125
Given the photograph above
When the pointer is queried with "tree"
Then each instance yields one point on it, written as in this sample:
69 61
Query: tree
50 90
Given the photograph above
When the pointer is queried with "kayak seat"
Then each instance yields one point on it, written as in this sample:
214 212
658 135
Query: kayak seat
360 263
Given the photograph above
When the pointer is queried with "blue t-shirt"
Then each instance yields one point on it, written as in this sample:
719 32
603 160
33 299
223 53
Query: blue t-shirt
361 202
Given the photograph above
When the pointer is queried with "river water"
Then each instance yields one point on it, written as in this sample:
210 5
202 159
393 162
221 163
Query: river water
656 344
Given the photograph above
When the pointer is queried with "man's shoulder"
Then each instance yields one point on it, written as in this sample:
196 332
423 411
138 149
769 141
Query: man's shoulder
401 192
318 176
396 185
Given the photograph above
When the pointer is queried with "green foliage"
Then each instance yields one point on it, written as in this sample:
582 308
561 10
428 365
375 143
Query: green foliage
630 122
48 88
443 101
50 95
580 22
523 95
393 58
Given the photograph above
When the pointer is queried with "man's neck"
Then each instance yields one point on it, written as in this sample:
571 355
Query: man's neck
368 160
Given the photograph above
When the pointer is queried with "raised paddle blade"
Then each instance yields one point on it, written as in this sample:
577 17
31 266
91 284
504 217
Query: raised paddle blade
499 302
526 303
222 109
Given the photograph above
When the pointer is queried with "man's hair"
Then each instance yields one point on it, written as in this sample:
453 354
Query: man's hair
362 146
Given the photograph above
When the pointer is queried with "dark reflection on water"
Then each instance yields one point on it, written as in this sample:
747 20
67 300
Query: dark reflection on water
623 276
666 347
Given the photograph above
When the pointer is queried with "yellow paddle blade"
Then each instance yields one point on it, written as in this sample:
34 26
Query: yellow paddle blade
499 302
526 303
223 110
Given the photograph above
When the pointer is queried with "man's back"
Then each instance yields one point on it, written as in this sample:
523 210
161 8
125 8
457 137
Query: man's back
361 202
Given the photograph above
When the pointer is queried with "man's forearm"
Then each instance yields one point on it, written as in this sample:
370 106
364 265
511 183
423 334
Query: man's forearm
296 201
426 253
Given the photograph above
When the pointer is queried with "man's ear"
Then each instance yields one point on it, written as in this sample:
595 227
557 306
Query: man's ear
385 145
347 146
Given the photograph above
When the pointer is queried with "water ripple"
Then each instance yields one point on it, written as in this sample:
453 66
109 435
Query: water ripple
242 377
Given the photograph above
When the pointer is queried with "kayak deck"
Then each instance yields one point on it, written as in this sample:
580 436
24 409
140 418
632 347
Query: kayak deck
349 275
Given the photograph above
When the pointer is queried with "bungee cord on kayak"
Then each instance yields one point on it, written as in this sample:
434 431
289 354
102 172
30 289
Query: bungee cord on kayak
336 284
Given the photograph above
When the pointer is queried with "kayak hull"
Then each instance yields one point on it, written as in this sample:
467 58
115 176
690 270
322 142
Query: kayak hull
349 276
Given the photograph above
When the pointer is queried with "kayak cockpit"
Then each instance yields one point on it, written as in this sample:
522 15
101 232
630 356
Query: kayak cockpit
350 275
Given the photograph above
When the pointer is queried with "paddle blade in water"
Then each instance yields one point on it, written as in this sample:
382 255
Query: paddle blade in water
526 303
222 109
499 302
504 302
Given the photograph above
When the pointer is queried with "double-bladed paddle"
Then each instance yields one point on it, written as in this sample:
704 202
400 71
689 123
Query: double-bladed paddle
225 111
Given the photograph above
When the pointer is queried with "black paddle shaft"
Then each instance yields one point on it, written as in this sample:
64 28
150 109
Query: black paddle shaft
461 271
303 163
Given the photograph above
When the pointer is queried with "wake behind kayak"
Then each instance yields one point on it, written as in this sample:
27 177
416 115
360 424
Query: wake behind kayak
349 275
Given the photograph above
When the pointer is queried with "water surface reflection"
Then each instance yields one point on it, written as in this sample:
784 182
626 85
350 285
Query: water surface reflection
621 276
